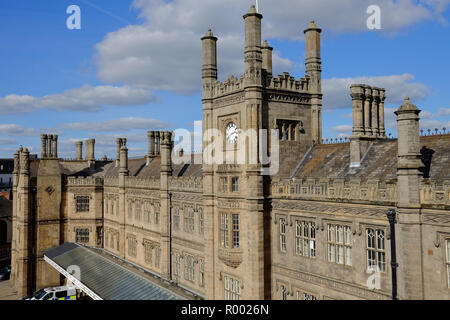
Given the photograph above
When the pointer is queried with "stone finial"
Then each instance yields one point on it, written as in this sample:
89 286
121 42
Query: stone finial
407 106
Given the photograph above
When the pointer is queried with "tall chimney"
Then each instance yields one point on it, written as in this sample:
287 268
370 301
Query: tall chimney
43 146
313 65
90 149
381 113
368 111
267 57
55 146
79 150
253 53
124 161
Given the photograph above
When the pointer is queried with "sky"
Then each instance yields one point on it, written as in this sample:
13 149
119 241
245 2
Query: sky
135 65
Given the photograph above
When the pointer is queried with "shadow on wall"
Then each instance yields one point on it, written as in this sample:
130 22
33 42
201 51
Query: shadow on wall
426 156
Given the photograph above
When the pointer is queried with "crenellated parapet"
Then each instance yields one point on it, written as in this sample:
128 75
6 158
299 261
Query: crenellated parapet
287 82
84 181
231 85
431 193
142 182
186 184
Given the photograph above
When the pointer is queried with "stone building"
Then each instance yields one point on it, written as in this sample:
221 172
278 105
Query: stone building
315 229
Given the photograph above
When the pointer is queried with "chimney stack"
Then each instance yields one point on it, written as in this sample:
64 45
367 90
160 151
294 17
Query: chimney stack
49 146
267 57
79 150
90 149
120 142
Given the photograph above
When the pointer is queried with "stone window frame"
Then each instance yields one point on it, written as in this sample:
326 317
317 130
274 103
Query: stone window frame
201 221
176 217
229 230
132 245
189 267
377 251
300 238
158 257
82 235
232 288
234 184
189 219
289 129
147 211
282 230
82 207
130 209
347 246
137 209
176 264
148 252
223 184
447 259
201 272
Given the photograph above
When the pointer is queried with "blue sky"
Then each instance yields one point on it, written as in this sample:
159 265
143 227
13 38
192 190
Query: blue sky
134 65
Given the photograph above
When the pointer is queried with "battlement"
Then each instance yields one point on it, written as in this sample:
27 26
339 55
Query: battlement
142 182
84 181
231 85
287 82
431 193
186 184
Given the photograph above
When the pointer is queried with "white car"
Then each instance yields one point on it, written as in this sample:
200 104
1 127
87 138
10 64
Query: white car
55 293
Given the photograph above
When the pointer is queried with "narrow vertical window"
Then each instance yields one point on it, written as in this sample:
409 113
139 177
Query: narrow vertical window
148 253
138 210
176 218
201 221
176 268
283 234
224 231
447 260
283 293
156 213
305 239
235 184
158 257
376 250
201 273
235 230
130 210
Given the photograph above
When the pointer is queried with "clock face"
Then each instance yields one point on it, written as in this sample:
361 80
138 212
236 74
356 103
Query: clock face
232 133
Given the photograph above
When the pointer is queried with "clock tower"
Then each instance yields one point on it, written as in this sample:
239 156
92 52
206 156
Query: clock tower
239 117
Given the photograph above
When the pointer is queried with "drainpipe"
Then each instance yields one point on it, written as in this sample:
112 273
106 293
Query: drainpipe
170 236
394 265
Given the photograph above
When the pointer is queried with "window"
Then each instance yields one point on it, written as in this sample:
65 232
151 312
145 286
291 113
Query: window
305 239
292 133
232 289
189 273
283 292
82 203
235 230
305 296
147 212
130 210
340 244
82 235
376 250
234 184
283 234
224 236
138 210
176 218
201 221
156 213
224 184
132 250
148 253
201 273
158 257
189 219
176 261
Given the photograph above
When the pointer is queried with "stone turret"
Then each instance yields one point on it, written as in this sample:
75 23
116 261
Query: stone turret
409 228
253 53
313 65
123 161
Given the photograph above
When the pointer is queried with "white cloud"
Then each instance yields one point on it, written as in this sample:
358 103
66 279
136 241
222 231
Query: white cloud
17 130
122 124
164 52
337 90
7 141
343 128
86 98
